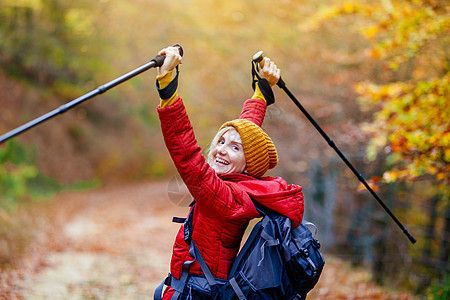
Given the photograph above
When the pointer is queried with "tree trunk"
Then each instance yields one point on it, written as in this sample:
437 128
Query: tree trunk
430 230
445 243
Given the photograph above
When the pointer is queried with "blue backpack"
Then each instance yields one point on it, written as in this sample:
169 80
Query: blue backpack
276 262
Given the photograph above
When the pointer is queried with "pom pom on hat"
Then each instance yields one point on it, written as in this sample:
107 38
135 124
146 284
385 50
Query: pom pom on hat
260 152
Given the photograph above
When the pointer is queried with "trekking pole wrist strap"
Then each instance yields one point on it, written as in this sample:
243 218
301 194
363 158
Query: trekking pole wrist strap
264 86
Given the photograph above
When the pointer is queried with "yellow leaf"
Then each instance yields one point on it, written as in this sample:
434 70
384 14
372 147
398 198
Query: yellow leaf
390 176
432 170
371 31
375 53
372 185
441 176
349 7
393 66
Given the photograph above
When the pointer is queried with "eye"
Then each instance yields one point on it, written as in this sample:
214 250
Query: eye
221 141
236 147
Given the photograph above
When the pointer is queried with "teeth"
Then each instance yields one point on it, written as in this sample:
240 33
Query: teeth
219 160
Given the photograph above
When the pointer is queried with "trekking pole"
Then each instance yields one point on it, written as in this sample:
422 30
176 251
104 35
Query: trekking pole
258 57
155 62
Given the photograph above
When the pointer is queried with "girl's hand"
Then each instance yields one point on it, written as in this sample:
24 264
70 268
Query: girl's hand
173 59
269 71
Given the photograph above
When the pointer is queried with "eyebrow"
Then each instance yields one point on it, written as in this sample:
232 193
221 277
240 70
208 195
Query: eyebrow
234 142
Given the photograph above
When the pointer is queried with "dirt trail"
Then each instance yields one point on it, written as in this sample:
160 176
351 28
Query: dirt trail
116 242
110 243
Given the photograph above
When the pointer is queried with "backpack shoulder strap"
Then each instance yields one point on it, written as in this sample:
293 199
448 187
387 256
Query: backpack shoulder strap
194 252
253 235
206 271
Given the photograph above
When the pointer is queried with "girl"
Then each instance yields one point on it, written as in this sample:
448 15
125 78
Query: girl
224 184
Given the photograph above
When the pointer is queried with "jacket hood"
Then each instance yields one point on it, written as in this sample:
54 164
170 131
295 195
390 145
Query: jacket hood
272 192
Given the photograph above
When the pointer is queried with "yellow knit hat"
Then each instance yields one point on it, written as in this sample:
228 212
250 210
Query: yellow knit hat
259 150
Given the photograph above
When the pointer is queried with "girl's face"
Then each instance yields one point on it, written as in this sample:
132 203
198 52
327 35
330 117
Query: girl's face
227 156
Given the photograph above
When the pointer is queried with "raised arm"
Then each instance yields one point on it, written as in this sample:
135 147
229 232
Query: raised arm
254 109
167 86
213 196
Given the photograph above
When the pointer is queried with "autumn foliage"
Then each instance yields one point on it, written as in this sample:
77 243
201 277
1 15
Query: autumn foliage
373 73
412 123
411 104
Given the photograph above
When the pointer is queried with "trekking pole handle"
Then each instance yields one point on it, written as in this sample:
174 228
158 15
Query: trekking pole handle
159 59
258 59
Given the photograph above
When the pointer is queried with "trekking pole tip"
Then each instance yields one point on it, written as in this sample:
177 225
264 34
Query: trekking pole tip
410 237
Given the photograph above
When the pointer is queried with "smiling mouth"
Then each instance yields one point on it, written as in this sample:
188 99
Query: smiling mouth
222 161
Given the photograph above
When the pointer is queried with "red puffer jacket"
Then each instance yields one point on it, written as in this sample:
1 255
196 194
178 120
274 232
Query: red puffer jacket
223 202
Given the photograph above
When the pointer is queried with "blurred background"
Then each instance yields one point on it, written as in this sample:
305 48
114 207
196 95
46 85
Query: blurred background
373 74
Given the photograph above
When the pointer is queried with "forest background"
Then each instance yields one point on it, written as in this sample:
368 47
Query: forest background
374 75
